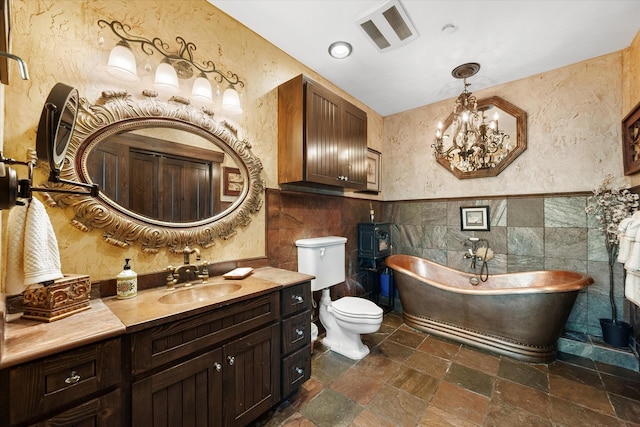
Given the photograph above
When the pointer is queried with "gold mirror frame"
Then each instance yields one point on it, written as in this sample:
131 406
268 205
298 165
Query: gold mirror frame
521 139
115 112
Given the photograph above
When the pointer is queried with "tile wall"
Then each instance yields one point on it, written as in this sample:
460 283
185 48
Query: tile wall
526 233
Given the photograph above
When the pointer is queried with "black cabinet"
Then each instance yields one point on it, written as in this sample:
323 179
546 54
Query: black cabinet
374 246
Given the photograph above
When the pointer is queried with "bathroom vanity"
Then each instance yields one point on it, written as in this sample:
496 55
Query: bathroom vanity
220 353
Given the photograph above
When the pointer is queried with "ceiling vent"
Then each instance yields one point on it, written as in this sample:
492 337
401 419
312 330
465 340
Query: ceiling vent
388 26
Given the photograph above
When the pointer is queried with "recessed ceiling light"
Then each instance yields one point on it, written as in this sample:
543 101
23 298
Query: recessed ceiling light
340 50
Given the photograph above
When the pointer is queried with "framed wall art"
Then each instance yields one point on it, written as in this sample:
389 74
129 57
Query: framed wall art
474 218
373 170
631 141
232 181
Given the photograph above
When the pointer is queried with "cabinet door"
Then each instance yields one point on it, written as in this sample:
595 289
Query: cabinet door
252 375
103 411
323 128
187 394
354 140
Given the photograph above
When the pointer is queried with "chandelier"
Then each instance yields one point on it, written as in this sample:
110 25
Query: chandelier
469 143
174 65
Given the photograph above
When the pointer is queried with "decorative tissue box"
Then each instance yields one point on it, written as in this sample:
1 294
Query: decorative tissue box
64 297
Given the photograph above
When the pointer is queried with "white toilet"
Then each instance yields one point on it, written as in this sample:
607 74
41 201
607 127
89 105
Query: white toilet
348 317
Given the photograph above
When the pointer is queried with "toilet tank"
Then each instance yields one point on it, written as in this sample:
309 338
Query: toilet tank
323 257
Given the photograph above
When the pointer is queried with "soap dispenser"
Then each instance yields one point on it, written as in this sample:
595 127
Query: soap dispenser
127 282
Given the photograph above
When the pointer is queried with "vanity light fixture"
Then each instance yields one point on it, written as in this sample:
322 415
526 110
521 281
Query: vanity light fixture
470 143
340 50
174 66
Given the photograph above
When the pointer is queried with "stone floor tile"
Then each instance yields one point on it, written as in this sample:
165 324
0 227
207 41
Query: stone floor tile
626 409
439 347
461 402
522 373
478 360
400 407
377 366
358 387
392 350
415 382
429 364
581 394
470 379
523 397
331 409
510 416
567 413
329 366
576 373
409 339
436 417
628 388
367 418
393 319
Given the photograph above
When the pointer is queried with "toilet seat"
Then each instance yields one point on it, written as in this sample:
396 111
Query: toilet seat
354 309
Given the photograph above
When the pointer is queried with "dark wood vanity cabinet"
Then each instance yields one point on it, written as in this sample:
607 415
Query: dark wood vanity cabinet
322 138
296 337
74 388
219 368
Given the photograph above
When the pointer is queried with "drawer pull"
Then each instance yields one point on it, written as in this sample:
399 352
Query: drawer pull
217 366
73 378
299 332
231 360
299 371
298 299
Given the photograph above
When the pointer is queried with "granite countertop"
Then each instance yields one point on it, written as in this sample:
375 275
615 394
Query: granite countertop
24 340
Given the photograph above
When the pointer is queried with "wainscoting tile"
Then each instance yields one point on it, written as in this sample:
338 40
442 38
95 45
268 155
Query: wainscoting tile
525 212
566 242
525 241
565 212
434 236
434 213
517 263
578 265
597 251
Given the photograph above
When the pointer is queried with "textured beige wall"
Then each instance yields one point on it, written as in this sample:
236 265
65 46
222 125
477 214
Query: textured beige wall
631 84
573 137
59 42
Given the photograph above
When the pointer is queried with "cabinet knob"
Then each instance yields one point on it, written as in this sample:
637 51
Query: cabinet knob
217 366
299 332
299 371
73 378
231 360
298 299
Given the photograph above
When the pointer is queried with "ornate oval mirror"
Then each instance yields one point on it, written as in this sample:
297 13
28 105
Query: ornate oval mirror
161 168
512 127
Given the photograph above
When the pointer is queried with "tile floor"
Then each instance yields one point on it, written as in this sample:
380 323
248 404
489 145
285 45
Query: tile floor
415 379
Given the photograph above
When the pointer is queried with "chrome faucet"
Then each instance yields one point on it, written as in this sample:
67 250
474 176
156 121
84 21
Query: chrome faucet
188 273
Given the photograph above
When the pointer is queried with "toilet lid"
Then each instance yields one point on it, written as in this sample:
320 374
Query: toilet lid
356 307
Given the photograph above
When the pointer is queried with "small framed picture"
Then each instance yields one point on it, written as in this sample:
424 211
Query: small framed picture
232 181
373 170
474 218
631 141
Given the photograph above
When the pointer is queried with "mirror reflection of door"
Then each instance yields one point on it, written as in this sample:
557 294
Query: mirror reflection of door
157 178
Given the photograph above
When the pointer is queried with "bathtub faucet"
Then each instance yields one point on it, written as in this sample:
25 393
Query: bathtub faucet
479 250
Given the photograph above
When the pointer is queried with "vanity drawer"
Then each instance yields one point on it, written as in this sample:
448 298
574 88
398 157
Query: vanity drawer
46 384
296 332
296 298
296 369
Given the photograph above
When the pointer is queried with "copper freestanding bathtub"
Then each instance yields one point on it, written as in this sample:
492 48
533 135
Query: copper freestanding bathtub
520 315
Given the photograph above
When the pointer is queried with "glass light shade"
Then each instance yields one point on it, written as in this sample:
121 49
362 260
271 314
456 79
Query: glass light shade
201 89
122 63
231 101
166 77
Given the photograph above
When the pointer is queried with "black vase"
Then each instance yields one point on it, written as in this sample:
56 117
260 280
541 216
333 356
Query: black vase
615 333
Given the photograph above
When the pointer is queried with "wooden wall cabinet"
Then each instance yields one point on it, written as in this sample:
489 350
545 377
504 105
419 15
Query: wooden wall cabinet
322 138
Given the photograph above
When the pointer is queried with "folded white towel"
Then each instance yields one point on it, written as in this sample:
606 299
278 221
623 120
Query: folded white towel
32 248
632 287
626 238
